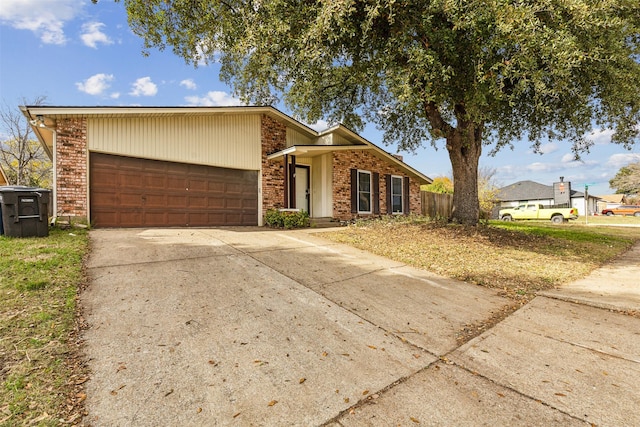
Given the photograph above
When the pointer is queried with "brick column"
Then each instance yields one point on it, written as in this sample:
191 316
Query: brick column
71 167
273 139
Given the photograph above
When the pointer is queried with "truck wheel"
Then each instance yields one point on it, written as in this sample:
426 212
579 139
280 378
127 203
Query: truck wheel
609 213
507 218
557 219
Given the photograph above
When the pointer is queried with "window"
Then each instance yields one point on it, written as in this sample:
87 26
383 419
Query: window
364 192
396 195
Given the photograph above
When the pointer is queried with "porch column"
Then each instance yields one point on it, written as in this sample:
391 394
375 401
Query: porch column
286 182
292 183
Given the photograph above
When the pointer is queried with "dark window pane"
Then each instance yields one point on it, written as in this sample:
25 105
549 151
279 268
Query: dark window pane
396 194
364 192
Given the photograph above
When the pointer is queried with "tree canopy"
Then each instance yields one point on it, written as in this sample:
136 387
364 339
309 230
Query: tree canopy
440 185
476 73
627 180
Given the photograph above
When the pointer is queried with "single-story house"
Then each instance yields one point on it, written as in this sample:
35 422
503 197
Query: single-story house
213 166
533 192
611 201
3 178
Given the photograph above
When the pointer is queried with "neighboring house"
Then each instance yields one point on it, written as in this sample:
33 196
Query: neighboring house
533 192
3 178
611 201
213 166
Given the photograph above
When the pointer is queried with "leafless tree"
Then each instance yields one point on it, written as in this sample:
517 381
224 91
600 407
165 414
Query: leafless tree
22 158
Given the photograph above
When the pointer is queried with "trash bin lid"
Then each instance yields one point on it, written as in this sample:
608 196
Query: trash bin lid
20 188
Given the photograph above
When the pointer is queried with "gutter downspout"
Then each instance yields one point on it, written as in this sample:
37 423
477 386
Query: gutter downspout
54 171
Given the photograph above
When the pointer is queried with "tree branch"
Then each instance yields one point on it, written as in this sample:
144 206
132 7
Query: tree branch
439 125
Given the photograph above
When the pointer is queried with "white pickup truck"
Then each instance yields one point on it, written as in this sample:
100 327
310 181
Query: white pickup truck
538 211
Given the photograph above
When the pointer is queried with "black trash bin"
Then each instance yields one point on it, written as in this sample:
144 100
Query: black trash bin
24 211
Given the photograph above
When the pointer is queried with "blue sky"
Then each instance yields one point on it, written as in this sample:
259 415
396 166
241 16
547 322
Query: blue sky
81 54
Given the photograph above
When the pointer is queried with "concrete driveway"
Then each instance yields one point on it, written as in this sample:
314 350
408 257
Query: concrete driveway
250 326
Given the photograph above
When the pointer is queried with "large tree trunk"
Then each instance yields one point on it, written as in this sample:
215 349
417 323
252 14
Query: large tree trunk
464 144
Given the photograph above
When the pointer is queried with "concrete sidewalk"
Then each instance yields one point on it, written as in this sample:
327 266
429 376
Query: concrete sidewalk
615 286
262 327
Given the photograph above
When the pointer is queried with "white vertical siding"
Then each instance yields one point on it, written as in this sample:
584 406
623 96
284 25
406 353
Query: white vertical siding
297 138
321 193
226 141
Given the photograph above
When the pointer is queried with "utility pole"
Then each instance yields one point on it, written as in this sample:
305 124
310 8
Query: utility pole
586 204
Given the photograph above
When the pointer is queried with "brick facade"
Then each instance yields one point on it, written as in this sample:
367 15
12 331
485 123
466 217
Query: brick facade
71 166
344 161
72 174
274 138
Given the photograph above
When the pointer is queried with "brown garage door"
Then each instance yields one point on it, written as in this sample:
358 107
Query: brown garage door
132 192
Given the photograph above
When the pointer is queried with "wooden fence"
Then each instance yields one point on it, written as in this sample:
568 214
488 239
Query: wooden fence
436 205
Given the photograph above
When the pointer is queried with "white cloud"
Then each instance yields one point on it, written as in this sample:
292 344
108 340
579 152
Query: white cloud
600 136
319 126
548 148
568 158
44 18
96 84
540 167
189 84
143 87
214 99
92 34
620 160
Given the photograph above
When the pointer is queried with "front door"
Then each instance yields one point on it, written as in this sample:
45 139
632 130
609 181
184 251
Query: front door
302 188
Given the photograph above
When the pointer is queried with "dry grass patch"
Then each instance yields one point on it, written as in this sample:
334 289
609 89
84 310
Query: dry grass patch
517 258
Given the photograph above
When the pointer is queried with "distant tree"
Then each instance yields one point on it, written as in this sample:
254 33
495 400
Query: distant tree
487 190
469 72
440 184
22 158
627 180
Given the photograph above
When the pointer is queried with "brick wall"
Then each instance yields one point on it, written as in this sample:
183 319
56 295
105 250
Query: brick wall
274 138
71 167
344 161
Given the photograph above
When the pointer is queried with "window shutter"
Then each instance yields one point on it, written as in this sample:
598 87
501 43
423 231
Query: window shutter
387 181
354 190
405 196
376 193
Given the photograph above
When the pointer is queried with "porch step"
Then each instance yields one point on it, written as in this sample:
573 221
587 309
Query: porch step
323 222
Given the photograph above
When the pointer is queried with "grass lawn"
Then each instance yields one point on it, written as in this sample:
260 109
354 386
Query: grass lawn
40 368
518 258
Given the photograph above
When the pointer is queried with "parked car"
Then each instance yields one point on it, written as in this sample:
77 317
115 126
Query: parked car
623 210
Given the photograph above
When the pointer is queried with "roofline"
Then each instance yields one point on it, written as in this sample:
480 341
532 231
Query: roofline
301 150
32 111
86 111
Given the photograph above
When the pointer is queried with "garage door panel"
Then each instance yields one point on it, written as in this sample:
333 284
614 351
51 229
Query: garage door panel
176 202
130 192
127 200
106 197
216 203
198 219
198 202
154 183
198 185
129 179
155 201
127 218
176 183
